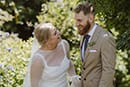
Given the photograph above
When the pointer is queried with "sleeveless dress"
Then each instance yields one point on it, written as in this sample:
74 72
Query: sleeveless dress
55 76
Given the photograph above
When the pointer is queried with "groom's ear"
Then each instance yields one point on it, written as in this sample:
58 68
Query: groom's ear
91 18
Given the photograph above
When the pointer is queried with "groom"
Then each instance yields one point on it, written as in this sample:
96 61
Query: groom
97 48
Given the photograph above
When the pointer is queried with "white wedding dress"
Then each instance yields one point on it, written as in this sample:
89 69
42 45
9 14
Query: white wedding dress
52 76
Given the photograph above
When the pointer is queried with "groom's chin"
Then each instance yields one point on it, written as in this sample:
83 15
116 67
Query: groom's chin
81 32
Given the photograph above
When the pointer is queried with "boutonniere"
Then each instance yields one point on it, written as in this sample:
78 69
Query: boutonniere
90 44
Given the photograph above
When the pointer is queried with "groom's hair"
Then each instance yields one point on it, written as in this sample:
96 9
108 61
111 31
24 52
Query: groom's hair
86 7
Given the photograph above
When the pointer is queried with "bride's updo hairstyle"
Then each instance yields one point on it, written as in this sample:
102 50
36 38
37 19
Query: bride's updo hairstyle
42 32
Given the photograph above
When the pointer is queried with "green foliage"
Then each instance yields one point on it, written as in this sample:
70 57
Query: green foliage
24 16
75 57
14 55
122 70
4 17
115 15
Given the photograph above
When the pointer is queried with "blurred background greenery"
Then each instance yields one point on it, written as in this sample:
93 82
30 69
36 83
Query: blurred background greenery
17 21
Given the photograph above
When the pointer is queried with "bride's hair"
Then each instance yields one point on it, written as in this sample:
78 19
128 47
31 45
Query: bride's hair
42 32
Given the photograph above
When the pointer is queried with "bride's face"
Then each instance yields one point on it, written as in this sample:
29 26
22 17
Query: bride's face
55 36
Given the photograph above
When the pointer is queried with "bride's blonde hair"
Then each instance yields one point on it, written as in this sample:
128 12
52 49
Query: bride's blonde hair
42 32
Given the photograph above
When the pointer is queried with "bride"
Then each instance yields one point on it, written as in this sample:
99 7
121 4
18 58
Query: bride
49 65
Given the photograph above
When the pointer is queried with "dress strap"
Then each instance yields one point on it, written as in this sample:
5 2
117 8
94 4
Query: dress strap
41 57
63 45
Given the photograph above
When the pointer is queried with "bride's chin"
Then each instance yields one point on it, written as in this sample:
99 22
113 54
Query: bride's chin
59 41
59 38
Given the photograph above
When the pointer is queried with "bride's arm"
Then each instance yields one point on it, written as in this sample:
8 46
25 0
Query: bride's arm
36 71
71 70
73 78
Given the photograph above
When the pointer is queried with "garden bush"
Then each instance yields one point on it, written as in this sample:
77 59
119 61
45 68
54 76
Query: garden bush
14 55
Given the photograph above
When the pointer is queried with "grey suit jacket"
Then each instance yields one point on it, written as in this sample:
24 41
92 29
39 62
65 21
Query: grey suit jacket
99 64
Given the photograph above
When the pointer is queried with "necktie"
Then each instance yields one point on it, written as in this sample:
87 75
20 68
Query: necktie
86 41
84 45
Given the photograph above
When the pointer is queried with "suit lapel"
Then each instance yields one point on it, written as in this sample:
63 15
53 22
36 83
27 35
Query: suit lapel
81 41
94 39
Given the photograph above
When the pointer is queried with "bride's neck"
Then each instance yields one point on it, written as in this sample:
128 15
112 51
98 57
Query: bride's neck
49 47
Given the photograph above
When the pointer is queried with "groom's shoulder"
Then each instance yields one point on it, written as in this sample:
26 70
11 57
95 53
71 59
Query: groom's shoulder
104 33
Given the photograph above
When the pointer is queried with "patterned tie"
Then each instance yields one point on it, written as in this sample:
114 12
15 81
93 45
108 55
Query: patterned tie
85 42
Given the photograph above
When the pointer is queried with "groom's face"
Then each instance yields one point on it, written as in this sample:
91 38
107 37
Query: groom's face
82 23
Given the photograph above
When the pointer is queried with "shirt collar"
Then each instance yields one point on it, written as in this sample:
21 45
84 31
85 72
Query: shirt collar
92 30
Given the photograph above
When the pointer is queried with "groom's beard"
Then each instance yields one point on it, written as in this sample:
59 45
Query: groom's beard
85 29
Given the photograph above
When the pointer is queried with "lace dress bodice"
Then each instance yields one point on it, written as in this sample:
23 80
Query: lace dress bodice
54 75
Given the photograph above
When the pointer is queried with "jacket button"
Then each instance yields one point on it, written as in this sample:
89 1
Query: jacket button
84 78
